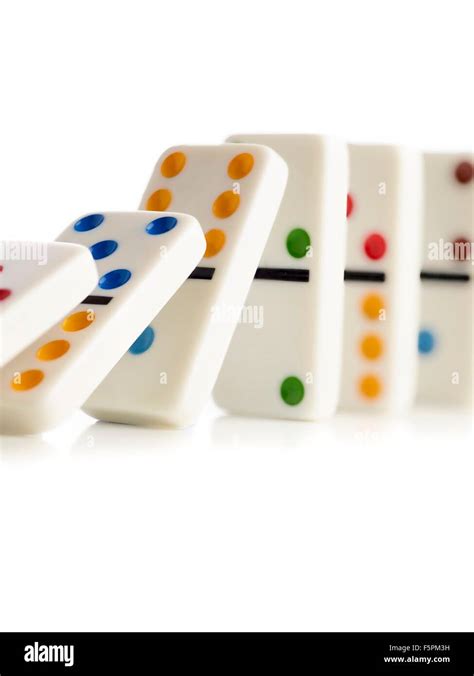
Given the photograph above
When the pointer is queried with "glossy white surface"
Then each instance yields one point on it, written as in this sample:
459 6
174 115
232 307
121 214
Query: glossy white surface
155 264
386 189
50 280
446 372
293 329
172 383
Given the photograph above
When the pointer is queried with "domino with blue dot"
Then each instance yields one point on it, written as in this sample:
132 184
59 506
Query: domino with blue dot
234 192
142 258
445 341
39 283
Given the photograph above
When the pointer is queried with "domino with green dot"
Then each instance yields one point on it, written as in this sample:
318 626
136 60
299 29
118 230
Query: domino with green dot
285 357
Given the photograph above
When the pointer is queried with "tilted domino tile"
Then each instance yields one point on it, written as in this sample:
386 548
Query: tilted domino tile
446 333
382 278
142 258
235 192
290 366
38 288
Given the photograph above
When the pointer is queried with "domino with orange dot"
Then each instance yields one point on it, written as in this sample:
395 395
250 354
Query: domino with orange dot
384 210
39 283
445 340
289 366
142 258
235 192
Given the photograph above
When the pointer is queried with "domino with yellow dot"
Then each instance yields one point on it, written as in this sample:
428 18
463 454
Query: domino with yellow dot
39 283
235 192
445 342
288 365
142 258
384 210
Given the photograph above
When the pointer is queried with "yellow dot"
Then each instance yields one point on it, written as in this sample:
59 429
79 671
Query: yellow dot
159 200
53 350
27 380
240 166
370 387
226 204
78 321
173 164
371 346
373 305
215 240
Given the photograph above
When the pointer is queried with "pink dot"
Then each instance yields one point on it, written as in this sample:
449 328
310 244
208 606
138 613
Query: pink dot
375 246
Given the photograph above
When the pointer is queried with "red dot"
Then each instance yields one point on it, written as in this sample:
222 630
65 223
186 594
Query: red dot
4 293
464 172
375 246
462 249
1 268
350 205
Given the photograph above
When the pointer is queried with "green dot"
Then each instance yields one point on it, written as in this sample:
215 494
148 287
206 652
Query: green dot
292 391
298 242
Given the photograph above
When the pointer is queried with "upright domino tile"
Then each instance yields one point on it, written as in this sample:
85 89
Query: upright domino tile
284 360
384 209
446 334
39 283
235 192
142 259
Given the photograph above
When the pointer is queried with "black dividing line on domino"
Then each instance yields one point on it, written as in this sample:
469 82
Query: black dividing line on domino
283 274
97 300
202 273
444 276
363 276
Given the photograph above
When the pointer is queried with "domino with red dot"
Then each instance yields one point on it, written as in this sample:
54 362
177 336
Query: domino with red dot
445 340
39 283
288 365
235 192
384 212
142 258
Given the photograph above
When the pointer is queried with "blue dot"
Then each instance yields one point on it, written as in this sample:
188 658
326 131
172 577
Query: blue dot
89 222
103 249
161 225
143 342
114 279
426 342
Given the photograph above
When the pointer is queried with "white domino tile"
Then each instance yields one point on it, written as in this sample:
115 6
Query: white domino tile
142 258
446 332
39 283
235 192
385 206
284 360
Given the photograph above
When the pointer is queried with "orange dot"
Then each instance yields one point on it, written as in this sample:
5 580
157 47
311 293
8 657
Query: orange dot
53 350
27 380
226 204
215 240
173 164
373 305
370 387
240 166
159 200
78 321
371 346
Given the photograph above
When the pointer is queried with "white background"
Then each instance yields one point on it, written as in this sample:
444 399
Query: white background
352 524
